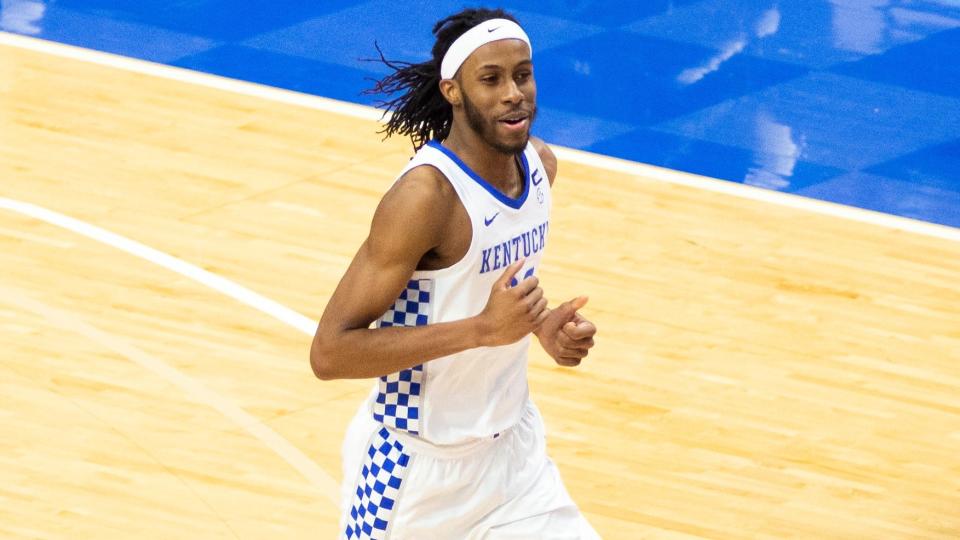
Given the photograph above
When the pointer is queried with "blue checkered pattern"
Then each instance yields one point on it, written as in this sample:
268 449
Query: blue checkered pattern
398 400
377 488
412 308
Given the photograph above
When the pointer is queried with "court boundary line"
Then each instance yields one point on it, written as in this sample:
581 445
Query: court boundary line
204 277
295 457
649 172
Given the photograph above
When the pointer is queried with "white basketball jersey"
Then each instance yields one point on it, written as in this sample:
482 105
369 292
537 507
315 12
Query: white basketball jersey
479 392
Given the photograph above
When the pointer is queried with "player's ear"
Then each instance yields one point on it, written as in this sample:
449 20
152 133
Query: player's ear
450 89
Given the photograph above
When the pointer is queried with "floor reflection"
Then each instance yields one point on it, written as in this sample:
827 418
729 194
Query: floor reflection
775 156
22 16
766 25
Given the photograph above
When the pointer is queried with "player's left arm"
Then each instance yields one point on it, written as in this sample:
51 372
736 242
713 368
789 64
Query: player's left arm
565 335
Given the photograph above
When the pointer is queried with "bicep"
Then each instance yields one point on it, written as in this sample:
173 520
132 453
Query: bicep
365 292
399 237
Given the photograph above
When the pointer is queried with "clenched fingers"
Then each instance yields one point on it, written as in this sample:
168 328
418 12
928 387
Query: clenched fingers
578 330
566 343
529 284
573 352
568 362
539 306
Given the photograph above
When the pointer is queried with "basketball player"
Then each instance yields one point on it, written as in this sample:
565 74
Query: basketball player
448 445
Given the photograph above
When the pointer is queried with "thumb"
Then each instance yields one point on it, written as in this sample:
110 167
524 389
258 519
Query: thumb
503 282
568 309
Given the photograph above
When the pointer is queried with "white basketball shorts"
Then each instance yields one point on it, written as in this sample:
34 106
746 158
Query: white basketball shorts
403 488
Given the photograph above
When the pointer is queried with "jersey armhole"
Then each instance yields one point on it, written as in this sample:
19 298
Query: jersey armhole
424 274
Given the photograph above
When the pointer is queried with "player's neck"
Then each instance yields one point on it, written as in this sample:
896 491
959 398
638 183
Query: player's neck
497 168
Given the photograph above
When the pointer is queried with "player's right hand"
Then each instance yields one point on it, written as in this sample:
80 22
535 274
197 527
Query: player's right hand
512 312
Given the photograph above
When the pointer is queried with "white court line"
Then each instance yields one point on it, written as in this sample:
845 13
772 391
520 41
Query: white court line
282 447
200 393
642 170
215 282
789 200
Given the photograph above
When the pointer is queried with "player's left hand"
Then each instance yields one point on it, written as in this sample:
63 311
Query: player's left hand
566 335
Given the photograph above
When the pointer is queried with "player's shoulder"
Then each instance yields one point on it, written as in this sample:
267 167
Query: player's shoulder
413 214
547 157
425 183
422 192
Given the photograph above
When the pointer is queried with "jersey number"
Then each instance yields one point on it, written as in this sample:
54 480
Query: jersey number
514 282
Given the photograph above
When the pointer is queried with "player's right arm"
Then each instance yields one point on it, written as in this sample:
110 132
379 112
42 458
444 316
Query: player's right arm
412 219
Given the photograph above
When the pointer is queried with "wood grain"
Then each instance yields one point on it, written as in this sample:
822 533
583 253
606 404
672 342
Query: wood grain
760 372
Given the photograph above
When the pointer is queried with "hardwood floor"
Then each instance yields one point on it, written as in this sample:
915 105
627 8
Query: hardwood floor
761 371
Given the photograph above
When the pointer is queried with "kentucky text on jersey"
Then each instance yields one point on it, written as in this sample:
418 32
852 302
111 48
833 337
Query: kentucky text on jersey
503 254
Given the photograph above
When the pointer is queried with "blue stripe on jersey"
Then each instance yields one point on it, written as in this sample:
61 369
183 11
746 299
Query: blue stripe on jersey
512 203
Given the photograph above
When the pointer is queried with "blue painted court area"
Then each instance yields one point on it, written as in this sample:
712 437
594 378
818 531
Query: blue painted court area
852 101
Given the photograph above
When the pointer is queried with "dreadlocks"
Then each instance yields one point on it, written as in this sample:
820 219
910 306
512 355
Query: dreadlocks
421 112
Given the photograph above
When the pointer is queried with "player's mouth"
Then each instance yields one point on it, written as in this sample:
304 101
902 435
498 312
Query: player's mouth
515 121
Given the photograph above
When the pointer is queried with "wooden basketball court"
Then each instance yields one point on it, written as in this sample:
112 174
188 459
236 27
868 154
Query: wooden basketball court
761 371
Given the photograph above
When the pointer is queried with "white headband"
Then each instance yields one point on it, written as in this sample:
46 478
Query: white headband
476 37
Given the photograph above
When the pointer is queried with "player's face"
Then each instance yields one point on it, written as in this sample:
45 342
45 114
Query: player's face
500 94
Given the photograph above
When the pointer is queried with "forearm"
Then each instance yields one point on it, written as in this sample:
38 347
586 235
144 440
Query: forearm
364 353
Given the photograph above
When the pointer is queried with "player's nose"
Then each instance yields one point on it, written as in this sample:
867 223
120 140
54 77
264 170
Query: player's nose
512 93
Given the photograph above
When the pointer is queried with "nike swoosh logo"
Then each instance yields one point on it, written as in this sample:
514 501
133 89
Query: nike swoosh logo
536 178
492 29
488 221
